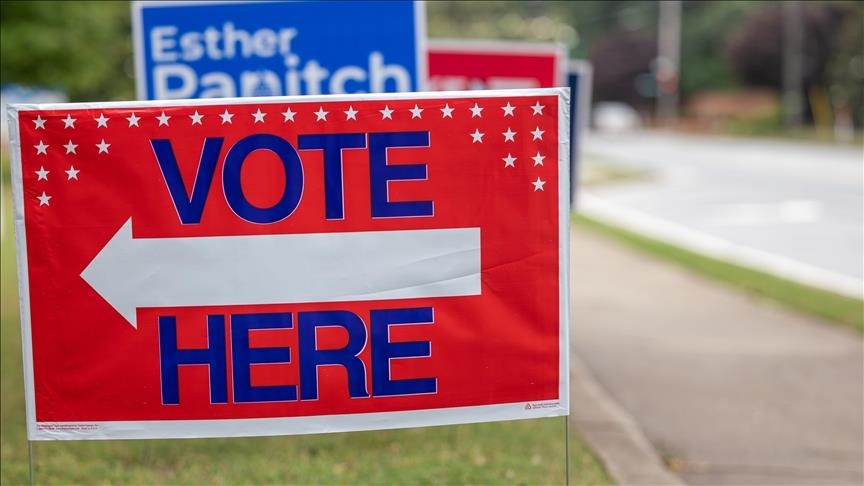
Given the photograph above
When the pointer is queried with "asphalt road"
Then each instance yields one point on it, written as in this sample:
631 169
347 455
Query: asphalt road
789 205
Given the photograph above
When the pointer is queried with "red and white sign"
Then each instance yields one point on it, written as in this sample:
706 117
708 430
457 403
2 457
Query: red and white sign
270 266
466 64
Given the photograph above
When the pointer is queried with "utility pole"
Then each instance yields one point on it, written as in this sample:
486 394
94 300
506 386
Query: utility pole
793 82
668 60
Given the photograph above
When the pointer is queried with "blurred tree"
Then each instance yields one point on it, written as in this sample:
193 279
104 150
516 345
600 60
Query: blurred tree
531 20
83 48
704 28
845 71
592 20
755 49
622 64
579 25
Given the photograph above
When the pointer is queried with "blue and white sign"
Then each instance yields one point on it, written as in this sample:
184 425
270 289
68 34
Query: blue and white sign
228 49
580 79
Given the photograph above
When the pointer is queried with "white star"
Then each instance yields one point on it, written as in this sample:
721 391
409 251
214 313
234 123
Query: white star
538 109
226 116
475 111
163 119
103 147
68 122
351 113
320 114
447 112
43 199
538 134
288 114
39 122
508 109
41 174
259 116
133 120
509 161
538 159
41 148
509 135
477 136
70 147
416 112
386 112
196 118
72 173
102 121
538 184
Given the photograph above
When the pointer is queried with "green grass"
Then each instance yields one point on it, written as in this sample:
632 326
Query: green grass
824 304
519 452
597 170
771 126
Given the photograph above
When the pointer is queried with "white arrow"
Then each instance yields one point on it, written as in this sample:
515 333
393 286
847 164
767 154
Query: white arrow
133 273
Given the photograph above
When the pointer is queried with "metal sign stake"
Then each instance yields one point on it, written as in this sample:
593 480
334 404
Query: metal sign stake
30 459
567 450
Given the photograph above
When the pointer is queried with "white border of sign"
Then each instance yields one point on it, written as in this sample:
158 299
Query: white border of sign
138 40
467 46
306 424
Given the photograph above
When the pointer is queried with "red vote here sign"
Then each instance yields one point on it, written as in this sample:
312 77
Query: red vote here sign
269 266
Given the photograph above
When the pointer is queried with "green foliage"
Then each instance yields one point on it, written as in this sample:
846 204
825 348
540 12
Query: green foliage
704 28
536 21
593 19
845 70
84 48
574 24
767 125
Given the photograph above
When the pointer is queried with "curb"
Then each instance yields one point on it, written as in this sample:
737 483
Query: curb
713 247
612 433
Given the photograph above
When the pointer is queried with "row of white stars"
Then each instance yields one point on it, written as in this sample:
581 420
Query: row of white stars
477 137
69 122
510 161
42 173
45 199
71 148
288 114
509 135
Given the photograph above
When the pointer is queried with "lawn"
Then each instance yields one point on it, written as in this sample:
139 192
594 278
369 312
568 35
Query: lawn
820 303
519 452
595 170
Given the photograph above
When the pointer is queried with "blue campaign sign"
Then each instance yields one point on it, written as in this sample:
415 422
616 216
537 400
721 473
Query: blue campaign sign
227 49
579 79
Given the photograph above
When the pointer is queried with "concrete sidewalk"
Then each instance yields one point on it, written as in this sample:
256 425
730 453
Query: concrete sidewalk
728 389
